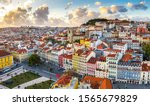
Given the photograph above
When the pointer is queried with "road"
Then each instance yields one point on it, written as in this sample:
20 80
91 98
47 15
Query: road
40 71
14 72
3 87
118 85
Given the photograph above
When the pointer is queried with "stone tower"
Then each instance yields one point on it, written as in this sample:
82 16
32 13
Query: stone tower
70 35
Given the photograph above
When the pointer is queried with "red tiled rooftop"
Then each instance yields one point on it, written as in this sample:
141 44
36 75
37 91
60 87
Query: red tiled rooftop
111 55
145 67
86 53
64 80
101 46
42 45
79 52
79 35
92 60
106 84
135 41
3 53
102 58
127 57
98 83
120 43
68 48
20 51
113 50
129 51
67 56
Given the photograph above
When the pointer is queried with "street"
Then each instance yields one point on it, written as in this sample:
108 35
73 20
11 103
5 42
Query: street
43 70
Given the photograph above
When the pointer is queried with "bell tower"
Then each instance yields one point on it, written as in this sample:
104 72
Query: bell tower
70 35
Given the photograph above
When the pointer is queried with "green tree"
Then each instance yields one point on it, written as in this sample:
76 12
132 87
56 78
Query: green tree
77 41
93 21
51 39
34 59
146 50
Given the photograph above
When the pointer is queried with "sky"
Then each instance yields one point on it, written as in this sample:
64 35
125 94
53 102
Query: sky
60 13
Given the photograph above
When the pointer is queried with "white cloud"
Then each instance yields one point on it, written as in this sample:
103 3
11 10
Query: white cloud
112 9
57 22
15 17
129 4
6 1
81 15
98 3
40 15
139 6
28 4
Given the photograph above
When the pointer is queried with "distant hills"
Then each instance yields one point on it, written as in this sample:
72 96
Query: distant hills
93 21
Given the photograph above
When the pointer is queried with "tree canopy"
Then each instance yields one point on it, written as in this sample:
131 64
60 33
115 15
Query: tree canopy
93 21
146 50
34 59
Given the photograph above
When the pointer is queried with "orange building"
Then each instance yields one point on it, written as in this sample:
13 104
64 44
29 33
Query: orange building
96 83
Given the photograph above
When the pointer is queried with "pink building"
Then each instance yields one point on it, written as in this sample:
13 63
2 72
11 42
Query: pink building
141 30
65 61
91 66
60 60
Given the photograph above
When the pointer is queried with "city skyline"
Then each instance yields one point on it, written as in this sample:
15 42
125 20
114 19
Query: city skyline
69 12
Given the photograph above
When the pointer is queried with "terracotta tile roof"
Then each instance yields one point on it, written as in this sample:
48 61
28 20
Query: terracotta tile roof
21 51
101 46
129 51
42 45
46 49
145 67
113 50
12 49
120 43
67 56
79 51
102 58
111 55
86 53
64 80
79 35
68 48
127 57
106 84
3 53
135 41
92 60
98 83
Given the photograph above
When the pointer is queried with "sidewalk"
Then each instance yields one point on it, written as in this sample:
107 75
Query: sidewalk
36 81
3 87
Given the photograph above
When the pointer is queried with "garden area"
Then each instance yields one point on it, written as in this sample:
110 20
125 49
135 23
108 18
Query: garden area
20 79
43 85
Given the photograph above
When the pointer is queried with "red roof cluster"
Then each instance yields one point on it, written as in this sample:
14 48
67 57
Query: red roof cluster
92 60
98 83
67 56
111 55
129 51
64 80
102 58
145 67
3 53
21 51
79 51
127 57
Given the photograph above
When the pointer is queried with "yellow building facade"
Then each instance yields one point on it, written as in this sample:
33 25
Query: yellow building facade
6 59
85 42
75 61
